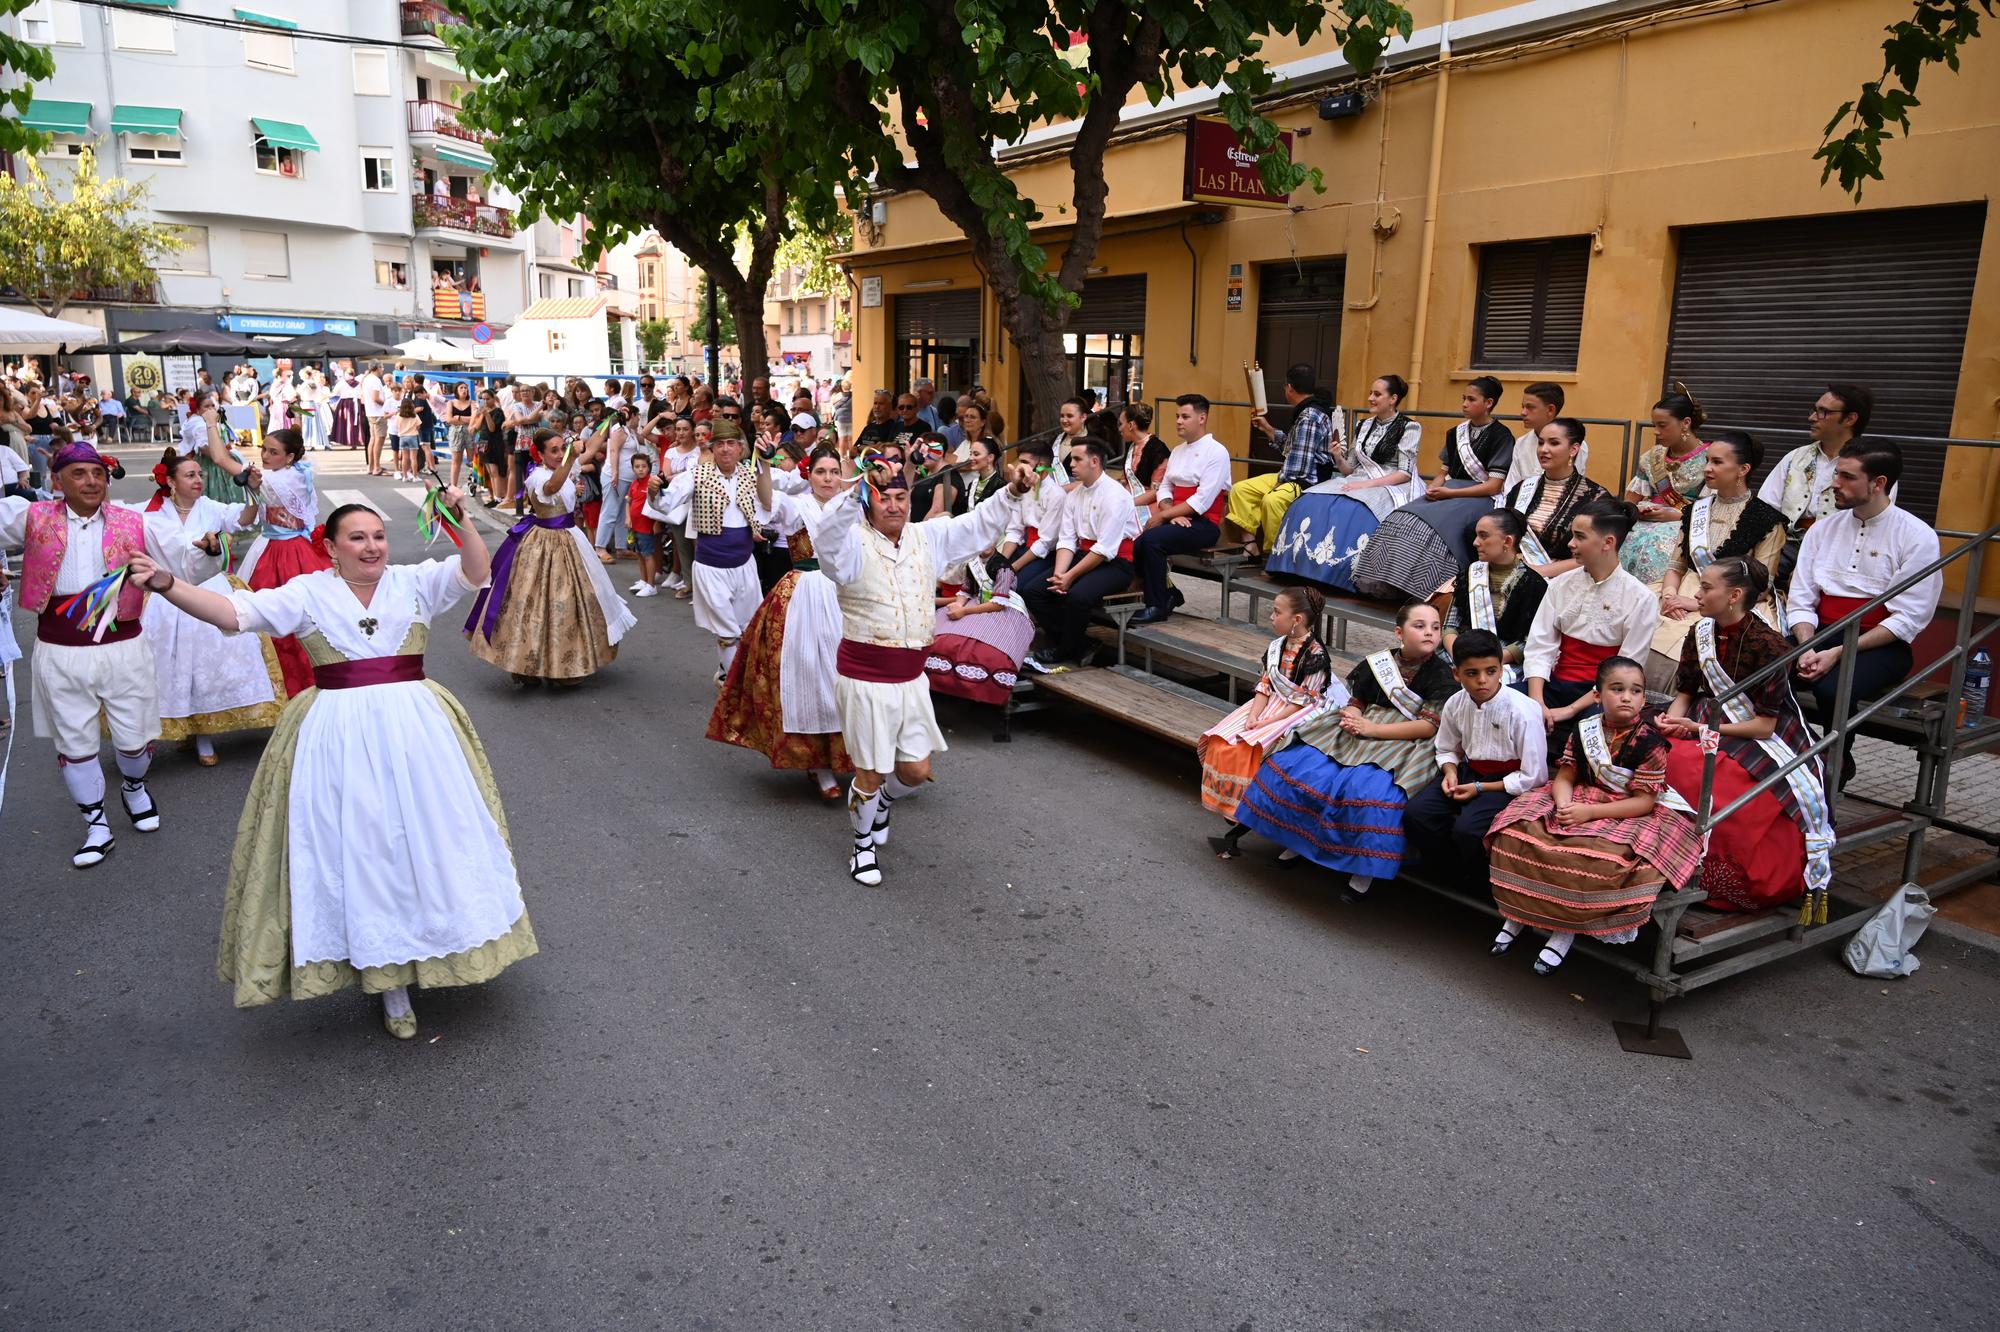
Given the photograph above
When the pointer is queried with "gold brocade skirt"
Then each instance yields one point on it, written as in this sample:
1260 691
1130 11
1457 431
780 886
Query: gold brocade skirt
551 625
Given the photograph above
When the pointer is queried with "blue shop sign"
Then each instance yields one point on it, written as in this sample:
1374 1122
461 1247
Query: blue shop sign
289 327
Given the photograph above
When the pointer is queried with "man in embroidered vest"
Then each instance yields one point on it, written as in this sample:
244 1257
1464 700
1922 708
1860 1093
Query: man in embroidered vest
1863 549
886 569
80 672
719 500
1801 486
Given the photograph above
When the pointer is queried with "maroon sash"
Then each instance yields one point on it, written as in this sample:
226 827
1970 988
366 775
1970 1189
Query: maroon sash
369 671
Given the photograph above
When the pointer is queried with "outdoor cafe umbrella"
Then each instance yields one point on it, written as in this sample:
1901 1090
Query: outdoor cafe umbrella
25 328
432 349
323 344
195 341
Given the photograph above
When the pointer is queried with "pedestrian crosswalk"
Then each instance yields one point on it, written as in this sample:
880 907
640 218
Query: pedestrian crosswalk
335 498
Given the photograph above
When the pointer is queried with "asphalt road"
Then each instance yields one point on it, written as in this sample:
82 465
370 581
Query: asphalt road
1063 1071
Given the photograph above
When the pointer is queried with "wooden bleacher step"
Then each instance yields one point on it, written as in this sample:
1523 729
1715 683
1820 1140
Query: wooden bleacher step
1159 707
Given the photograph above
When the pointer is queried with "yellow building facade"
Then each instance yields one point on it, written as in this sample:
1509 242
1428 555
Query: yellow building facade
1607 196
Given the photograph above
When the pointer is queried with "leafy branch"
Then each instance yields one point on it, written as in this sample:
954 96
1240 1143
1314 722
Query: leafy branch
1932 35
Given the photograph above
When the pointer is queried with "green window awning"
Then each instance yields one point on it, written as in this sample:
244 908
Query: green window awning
156 4
145 120
284 134
265 20
461 157
52 117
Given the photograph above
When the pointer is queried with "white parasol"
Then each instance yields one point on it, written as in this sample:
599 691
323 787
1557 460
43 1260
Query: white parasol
25 328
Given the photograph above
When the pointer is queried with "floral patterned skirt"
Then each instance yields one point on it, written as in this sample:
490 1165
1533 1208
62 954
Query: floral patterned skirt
750 709
551 625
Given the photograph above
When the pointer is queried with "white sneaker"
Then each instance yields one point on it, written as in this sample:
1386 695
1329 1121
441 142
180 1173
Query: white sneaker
675 582
646 590
636 586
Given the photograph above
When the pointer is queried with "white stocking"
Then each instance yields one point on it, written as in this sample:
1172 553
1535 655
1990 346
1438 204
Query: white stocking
1359 884
204 746
825 778
862 809
725 652
134 766
396 1002
85 780
897 788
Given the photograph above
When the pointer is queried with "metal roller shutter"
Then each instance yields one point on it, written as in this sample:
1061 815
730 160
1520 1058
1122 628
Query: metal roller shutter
1767 313
944 314
1111 305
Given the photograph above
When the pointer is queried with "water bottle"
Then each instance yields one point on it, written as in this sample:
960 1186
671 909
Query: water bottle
1978 675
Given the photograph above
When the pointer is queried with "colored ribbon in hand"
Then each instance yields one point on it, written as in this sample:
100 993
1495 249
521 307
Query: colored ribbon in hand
434 516
95 609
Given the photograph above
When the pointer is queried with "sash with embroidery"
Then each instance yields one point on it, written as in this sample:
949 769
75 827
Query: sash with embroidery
1808 791
1382 666
1525 500
1616 779
1480 591
1286 690
1698 552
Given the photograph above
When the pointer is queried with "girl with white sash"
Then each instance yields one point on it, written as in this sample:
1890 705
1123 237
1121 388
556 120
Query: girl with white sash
1590 852
1726 520
1780 843
1549 500
1298 684
1498 591
1336 796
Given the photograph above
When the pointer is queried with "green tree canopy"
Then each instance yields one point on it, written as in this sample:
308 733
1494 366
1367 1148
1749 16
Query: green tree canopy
919 95
58 243
27 64
1932 35
596 108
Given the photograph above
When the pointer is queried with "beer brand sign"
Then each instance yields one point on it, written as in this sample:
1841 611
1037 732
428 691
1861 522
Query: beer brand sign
1221 170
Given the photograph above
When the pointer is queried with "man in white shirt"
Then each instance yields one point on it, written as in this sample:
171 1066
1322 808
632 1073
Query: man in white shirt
1801 486
1491 747
716 502
1589 615
1030 540
1188 517
375 407
1864 548
88 677
886 569
1093 558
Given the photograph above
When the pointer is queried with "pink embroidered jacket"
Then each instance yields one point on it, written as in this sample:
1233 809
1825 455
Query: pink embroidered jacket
48 537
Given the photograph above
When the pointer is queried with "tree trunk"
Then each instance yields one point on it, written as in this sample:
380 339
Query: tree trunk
747 308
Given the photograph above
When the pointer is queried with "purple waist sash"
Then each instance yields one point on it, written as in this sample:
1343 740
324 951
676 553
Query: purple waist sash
486 606
369 671
727 549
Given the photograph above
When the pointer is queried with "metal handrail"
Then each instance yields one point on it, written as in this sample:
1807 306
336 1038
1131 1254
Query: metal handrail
1848 630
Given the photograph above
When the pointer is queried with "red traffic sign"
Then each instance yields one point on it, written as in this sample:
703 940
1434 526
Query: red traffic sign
482 333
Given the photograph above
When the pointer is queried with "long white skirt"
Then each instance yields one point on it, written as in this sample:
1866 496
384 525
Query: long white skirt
200 668
807 656
725 599
393 854
618 617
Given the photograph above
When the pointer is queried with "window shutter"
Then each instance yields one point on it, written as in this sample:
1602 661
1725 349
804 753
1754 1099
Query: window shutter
944 314
1530 310
1111 305
265 255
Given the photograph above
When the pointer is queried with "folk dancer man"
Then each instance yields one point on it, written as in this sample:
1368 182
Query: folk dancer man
1257 504
1864 548
886 568
70 544
717 501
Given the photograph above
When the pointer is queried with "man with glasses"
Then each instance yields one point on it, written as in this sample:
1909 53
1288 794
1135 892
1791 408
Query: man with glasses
1802 485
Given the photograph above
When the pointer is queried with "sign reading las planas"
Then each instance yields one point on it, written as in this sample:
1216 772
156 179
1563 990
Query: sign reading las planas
1221 170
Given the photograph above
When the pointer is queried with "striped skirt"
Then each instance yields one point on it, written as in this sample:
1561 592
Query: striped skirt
1598 878
1345 818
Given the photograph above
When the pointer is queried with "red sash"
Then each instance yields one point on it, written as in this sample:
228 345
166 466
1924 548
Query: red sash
877 664
1125 550
1491 770
369 671
1030 536
1832 609
1182 494
1577 661
61 631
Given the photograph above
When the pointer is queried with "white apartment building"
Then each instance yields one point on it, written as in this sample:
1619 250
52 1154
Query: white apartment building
310 153
803 326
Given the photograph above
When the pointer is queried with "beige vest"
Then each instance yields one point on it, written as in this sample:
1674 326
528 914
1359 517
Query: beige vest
891 603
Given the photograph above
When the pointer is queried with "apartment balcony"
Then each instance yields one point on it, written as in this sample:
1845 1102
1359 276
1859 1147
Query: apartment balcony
463 307
431 213
129 293
434 117
423 19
